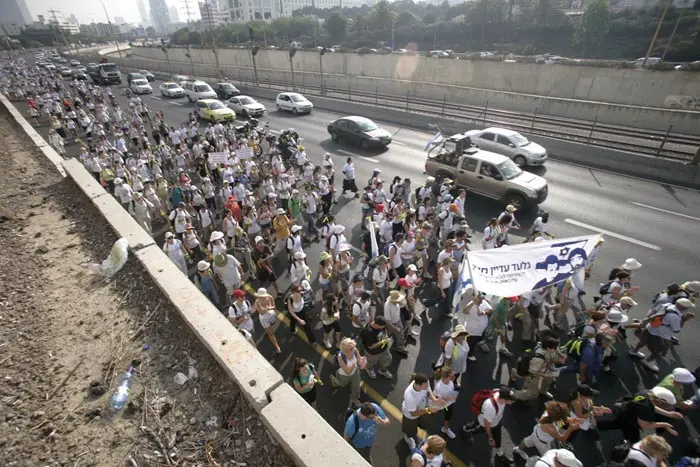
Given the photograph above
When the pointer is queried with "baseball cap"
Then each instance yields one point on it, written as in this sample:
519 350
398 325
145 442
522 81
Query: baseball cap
238 293
683 376
567 458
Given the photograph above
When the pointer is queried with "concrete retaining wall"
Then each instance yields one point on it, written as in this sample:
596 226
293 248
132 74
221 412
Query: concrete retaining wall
394 79
308 439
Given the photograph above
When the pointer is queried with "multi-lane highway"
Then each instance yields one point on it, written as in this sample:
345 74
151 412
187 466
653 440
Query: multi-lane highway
657 224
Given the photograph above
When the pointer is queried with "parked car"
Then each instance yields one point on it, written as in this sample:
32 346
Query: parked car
197 90
171 89
359 130
132 76
140 86
246 106
74 63
226 91
509 143
149 76
293 102
65 71
214 111
488 174
639 63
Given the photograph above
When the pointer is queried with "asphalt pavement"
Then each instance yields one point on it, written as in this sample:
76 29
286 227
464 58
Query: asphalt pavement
654 223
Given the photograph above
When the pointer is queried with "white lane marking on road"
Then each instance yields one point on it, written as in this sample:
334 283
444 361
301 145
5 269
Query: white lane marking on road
352 154
666 211
156 97
399 143
176 103
613 234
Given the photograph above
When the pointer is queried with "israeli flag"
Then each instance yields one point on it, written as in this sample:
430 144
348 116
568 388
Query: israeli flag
437 139
463 284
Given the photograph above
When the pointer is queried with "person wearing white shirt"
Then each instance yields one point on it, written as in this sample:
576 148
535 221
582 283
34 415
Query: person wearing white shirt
239 313
414 406
337 239
445 390
175 251
652 451
124 192
349 177
180 218
429 453
558 458
489 421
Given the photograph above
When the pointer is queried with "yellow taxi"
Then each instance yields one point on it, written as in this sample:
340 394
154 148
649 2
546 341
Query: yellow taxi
214 111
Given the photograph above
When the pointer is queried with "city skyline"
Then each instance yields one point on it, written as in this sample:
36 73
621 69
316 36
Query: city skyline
88 11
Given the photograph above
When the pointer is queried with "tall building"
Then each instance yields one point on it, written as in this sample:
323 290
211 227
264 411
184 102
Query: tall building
119 20
160 15
248 10
59 20
15 12
174 14
143 13
212 15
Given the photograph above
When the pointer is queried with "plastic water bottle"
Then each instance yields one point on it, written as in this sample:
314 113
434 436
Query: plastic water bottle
121 395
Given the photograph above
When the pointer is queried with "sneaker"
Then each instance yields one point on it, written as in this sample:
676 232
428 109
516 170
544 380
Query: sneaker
547 395
471 358
503 459
635 353
484 347
469 427
402 352
675 340
410 442
505 352
327 344
415 332
450 434
385 373
523 455
371 373
650 365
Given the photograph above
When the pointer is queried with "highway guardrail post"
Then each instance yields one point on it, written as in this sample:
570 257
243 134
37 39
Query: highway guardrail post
595 123
534 117
444 101
486 109
663 141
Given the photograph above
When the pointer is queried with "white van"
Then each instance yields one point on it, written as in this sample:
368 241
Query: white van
196 90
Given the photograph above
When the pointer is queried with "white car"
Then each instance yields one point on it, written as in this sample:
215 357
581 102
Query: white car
293 102
509 143
171 89
246 106
197 90
140 86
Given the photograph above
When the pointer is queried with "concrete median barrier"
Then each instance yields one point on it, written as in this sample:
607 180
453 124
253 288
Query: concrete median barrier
307 438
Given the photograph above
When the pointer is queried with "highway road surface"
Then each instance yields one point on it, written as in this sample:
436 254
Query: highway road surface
654 223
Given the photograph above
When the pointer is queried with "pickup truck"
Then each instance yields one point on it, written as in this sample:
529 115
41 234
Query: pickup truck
106 73
488 174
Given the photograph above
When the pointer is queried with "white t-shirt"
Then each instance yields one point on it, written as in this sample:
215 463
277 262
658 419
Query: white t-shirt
238 310
636 454
436 461
547 459
413 400
489 412
229 273
392 312
475 320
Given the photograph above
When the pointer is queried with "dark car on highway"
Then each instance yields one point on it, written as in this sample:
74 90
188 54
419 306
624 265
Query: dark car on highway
149 76
359 130
226 90
78 74
132 76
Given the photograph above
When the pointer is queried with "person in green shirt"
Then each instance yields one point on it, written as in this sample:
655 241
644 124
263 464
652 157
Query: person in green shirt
675 382
294 206
304 379
497 323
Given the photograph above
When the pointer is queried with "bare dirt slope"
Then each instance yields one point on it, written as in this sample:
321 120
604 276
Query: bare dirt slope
66 337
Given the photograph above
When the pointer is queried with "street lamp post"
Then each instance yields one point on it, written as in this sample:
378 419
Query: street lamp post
673 34
321 52
111 33
213 40
253 52
656 33
292 52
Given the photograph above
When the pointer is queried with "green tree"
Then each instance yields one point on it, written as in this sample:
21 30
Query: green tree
382 15
406 18
430 18
336 25
593 27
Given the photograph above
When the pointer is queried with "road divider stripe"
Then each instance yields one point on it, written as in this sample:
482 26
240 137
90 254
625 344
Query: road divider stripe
625 238
666 211
372 393
352 154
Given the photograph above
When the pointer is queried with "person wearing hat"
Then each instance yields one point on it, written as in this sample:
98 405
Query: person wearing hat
229 272
489 421
281 223
179 218
299 270
558 458
176 251
141 209
294 207
377 343
343 262
513 224
661 324
264 306
206 283
294 243
639 412
216 244
240 313
454 355
337 239
325 273
124 193
191 242
630 264
394 322
675 382
689 290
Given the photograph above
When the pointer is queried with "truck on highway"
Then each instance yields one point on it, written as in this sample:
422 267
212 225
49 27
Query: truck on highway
106 73
485 173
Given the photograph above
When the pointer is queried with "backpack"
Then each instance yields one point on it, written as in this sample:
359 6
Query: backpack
352 412
574 347
443 340
605 288
423 456
656 319
522 367
328 240
480 397
286 244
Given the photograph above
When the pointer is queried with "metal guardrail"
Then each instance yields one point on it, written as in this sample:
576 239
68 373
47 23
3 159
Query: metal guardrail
665 144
